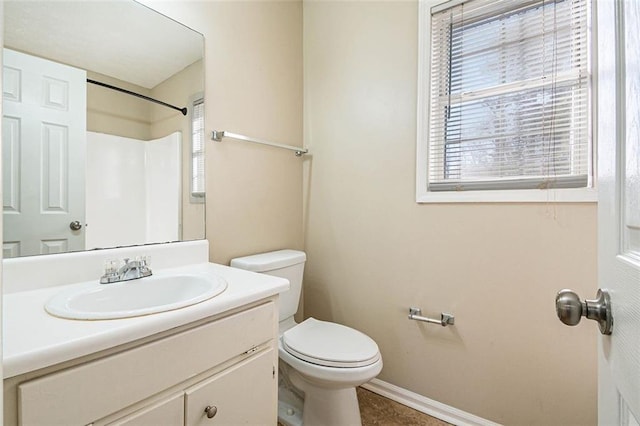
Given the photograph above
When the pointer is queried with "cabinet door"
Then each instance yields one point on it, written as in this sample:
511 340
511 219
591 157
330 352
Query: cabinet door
246 393
168 412
99 388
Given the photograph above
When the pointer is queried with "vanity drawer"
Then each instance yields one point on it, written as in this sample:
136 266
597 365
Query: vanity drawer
82 394
169 411
237 395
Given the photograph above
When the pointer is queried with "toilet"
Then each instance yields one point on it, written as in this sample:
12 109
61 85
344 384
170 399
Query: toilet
321 363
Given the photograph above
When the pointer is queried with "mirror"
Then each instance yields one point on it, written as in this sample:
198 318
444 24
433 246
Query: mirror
86 166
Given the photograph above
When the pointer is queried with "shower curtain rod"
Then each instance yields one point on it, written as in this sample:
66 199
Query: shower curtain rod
129 92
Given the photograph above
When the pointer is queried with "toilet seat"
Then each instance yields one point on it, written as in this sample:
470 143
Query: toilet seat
330 344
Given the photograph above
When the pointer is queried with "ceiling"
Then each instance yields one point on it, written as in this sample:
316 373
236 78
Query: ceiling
118 38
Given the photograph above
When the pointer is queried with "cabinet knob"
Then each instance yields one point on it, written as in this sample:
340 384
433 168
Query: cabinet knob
211 411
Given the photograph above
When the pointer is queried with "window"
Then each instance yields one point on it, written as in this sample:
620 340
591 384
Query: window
197 151
509 101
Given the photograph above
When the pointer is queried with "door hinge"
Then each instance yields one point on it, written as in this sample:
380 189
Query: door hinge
273 372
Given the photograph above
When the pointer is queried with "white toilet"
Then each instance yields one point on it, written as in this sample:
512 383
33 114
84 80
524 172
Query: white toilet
323 361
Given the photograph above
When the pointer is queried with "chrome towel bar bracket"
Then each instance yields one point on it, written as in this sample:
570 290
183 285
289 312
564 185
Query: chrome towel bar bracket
445 319
217 136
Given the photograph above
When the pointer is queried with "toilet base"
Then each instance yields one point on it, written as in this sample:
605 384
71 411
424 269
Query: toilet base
290 405
327 407
288 415
332 408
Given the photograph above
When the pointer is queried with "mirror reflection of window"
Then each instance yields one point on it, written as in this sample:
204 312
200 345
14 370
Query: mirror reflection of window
197 150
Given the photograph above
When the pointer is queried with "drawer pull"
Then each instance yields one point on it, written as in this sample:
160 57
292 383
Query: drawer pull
211 411
252 350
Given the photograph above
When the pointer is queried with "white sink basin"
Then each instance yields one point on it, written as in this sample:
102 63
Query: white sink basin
93 301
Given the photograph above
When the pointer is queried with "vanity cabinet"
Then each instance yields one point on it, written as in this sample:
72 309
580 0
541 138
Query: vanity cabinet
234 396
227 363
168 411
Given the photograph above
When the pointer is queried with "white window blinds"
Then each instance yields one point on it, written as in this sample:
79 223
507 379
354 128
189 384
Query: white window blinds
197 150
509 95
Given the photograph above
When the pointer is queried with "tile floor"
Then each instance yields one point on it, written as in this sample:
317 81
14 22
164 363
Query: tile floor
376 410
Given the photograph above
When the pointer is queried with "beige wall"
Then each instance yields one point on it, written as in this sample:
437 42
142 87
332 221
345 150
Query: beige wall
253 86
115 113
373 252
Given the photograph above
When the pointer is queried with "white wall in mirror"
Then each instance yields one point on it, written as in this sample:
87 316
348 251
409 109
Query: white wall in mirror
130 204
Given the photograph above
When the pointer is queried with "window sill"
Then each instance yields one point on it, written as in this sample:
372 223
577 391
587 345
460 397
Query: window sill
579 195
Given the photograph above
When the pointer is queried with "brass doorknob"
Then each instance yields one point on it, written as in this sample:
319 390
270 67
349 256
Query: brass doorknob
571 309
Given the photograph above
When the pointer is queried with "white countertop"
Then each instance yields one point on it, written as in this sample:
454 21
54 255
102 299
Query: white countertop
34 339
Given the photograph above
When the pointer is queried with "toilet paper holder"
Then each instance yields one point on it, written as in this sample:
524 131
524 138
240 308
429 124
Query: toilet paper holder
445 319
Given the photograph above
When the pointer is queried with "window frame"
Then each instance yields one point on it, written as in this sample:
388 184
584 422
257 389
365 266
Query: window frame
423 195
197 98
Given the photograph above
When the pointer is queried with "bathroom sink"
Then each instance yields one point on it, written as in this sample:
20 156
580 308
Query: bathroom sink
93 301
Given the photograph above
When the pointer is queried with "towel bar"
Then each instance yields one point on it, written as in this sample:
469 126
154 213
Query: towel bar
217 136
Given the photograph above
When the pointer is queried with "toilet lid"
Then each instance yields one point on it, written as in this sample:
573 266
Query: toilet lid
330 344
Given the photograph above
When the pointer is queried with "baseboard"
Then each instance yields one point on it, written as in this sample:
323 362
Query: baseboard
425 405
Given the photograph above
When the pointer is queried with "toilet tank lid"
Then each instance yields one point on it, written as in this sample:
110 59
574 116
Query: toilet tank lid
269 261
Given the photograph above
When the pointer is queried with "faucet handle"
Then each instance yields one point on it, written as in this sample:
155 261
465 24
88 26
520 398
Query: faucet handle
110 266
110 272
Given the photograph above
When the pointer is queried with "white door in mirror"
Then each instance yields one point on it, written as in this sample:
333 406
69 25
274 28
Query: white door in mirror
44 143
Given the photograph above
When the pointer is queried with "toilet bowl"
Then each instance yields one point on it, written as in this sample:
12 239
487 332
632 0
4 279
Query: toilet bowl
321 362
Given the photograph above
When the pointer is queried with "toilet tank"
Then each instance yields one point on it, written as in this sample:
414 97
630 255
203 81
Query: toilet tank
287 264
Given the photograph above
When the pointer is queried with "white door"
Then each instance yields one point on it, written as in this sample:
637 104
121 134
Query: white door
43 155
619 208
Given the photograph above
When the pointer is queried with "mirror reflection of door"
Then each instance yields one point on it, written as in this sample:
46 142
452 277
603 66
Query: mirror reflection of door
44 143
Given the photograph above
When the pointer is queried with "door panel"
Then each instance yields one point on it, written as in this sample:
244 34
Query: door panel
11 164
619 208
44 145
631 185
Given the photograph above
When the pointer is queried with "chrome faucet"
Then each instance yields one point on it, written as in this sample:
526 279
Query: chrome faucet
131 270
